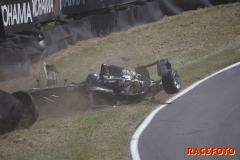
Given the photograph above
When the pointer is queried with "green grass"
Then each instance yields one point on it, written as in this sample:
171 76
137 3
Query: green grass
197 43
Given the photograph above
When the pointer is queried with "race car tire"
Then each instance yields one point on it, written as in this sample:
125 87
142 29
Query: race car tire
171 81
11 110
31 113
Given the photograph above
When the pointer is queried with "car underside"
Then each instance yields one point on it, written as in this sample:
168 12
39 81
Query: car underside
114 85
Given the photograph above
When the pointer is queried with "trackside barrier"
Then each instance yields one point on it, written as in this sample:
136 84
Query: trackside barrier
18 51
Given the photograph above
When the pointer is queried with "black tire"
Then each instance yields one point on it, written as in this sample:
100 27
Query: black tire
171 81
11 110
31 113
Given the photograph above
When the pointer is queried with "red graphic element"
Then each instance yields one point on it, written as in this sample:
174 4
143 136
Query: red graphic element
210 151
56 6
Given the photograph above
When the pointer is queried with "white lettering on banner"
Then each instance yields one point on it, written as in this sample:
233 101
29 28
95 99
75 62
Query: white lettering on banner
15 14
70 3
41 7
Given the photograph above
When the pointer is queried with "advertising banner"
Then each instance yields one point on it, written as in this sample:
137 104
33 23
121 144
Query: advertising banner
78 6
22 15
18 16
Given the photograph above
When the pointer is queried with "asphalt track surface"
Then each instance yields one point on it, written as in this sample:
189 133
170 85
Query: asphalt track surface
206 115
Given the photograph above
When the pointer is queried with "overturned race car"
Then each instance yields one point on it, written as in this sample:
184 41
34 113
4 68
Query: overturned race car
114 85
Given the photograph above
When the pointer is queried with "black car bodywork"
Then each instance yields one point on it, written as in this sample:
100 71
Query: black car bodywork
116 85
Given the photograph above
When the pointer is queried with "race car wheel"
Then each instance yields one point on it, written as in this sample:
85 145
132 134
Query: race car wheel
11 110
31 113
171 81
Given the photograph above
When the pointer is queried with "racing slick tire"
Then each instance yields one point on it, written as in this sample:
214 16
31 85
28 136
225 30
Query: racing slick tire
171 81
31 113
11 110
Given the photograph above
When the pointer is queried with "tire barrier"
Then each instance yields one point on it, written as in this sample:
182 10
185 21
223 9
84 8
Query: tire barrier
19 51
